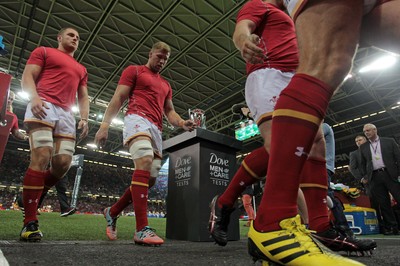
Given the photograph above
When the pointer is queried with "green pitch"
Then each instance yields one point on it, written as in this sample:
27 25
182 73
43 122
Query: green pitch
80 226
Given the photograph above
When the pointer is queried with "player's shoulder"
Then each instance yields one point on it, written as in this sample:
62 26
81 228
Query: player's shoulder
134 68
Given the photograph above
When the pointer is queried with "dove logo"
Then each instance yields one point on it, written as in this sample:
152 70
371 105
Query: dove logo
183 171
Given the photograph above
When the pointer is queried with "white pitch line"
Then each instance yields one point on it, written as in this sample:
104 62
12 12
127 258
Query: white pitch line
3 260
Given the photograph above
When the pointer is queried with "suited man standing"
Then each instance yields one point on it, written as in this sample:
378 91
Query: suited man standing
380 161
358 173
355 159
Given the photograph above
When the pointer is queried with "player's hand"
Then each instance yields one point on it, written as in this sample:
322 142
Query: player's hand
249 50
83 126
38 107
189 125
101 136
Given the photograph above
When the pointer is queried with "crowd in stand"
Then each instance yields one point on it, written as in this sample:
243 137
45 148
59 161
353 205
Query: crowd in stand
104 181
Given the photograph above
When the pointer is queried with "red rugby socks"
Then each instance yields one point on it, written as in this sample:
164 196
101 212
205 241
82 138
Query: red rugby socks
139 190
252 169
296 119
314 184
122 203
32 189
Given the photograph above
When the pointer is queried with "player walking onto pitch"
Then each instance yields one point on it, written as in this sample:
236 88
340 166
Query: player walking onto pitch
149 96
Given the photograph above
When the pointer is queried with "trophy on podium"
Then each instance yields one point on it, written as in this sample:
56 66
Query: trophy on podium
198 117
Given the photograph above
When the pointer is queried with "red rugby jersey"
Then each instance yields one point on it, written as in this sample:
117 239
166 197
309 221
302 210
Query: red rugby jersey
277 32
149 93
60 78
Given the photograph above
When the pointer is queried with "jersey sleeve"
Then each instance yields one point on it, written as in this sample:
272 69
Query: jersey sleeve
169 95
37 57
84 80
128 76
252 10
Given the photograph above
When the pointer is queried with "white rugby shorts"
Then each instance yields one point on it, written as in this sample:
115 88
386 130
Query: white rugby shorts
62 121
262 90
136 125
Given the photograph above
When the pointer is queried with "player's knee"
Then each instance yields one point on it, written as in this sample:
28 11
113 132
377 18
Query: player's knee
40 158
60 165
155 167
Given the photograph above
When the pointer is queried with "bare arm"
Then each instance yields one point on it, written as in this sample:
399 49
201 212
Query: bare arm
120 96
246 42
175 119
83 102
28 83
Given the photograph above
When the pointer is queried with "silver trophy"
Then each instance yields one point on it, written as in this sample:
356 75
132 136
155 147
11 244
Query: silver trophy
198 117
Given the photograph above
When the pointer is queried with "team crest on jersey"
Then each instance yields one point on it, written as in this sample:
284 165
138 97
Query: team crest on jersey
273 100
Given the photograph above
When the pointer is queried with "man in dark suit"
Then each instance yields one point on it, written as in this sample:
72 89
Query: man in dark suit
357 172
380 161
355 158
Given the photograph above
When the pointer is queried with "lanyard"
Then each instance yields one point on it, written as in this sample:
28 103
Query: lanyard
376 147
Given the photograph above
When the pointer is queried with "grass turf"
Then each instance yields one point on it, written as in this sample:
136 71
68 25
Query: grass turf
80 226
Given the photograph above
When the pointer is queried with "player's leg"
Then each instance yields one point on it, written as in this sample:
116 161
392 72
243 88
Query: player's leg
252 169
41 144
381 27
314 181
63 147
327 35
261 87
142 153
301 106
248 206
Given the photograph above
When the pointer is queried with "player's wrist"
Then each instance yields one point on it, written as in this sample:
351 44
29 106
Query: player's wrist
105 124
181 123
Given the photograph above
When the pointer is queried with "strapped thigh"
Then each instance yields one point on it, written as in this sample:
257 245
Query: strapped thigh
41 137
64 146
140 149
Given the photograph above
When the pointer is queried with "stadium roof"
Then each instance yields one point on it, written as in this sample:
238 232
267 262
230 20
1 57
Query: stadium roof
205 70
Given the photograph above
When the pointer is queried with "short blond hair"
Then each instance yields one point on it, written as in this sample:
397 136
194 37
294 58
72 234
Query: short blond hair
62 30
161 46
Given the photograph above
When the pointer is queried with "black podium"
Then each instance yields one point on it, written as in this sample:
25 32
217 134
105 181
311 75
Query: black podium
201 165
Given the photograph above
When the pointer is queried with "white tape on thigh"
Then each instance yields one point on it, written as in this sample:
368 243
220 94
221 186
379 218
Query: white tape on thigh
140 149
155 167
42 138
66 147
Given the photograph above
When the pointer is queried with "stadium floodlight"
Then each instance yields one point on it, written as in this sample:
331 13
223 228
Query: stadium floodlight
24 95
92 145
117 122
75 109
381 63
349 76
124 152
